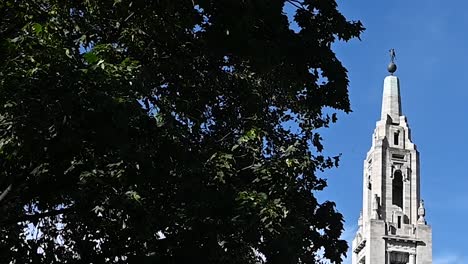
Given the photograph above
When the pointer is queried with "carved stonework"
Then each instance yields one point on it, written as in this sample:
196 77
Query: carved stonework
397 246
398 165
405 170
421 213
369 175
404 173
395 167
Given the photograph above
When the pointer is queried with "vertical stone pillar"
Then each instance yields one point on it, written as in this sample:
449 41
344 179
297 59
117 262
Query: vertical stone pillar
376 245
412 258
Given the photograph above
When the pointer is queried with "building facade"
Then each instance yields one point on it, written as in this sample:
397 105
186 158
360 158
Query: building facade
392 224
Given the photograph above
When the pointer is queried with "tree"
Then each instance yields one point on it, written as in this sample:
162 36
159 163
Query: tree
154 131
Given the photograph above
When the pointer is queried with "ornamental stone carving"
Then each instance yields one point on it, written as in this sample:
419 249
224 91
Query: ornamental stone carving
421 213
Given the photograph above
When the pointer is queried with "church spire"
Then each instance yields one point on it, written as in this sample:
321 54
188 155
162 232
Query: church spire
393 227
391 101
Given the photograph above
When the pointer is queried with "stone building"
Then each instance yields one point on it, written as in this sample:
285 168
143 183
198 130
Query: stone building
392 224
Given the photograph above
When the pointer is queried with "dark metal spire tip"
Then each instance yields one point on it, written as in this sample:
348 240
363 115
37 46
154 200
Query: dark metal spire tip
392 66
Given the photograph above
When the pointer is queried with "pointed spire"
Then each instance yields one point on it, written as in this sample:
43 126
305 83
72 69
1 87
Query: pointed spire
391 101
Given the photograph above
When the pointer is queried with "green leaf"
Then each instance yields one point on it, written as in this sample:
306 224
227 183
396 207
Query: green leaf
90 57
133 195
68 53
37 28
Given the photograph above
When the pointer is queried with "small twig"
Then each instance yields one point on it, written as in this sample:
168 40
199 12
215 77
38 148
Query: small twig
5 192
250 166
223 137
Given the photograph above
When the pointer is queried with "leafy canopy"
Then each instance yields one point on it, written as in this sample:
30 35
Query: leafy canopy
154 131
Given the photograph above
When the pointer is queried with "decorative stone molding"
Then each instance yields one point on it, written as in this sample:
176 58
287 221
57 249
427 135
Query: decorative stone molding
404 168
407 174
399 246
360 246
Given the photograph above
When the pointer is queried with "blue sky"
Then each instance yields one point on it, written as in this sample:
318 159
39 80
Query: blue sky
431 41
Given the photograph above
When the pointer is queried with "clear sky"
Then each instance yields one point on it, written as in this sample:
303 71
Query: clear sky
431 41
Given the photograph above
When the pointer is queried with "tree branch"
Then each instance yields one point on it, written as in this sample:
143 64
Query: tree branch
36 217
296 4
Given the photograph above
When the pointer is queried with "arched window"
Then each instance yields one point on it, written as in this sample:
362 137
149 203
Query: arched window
397 189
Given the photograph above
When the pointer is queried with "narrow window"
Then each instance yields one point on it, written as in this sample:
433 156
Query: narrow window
397 189
399 222
396 136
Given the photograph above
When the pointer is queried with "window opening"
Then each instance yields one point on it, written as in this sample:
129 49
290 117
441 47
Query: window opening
396 136
397 189
399 257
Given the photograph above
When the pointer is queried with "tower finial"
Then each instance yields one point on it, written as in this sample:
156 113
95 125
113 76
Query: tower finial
392 66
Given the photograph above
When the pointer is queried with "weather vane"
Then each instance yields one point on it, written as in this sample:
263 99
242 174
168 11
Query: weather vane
392 55
392 66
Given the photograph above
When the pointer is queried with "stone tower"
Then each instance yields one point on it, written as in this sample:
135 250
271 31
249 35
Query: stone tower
392 225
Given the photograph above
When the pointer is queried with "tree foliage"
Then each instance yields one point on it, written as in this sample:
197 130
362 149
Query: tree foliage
136 131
